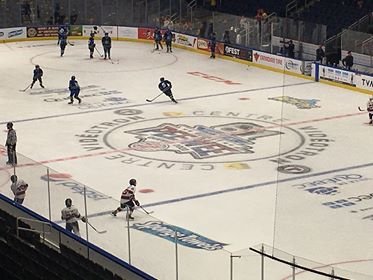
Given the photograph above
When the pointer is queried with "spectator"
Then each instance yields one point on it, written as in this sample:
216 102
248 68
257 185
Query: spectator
226 37
320 54
290 49
348 61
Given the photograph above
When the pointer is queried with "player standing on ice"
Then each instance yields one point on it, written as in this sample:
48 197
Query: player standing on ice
128 200
10 143
18 188
91 45
38 73
212 44
62 39
71 215
165 86
167 37
370 110
74 90
158 38
106 44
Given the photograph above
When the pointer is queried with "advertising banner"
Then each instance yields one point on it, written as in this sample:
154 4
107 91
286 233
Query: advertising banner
185 40
127 32
75 30
267 59
12 33
100 30
203 44
238 52
145 33
336 75
364 82
42 31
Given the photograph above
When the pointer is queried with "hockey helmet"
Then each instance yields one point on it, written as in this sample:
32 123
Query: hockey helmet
106 34
37 66
13 178
68 202
133 182
9 125
161 79
72 77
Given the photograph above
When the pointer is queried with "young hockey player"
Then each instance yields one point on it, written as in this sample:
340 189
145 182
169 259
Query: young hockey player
71 215
370 110
74 90
165 86
38 73
167 37
91 45
18 188
106 44
128 200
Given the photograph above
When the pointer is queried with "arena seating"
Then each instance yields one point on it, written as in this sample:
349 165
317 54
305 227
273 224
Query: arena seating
25 257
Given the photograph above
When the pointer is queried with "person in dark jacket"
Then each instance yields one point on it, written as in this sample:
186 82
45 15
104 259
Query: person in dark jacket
348 61
38 73
320 54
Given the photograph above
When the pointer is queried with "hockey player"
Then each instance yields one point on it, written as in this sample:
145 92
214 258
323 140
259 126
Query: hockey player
18 188
74 90
62 32
212 44
11 142
38 73
91 45
370 110
106 44
158 38
167 37
128 200
63 42
71 215
165 86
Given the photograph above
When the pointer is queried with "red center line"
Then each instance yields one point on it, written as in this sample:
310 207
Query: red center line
126 149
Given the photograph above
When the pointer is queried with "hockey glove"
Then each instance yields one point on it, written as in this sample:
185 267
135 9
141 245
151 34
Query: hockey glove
137 203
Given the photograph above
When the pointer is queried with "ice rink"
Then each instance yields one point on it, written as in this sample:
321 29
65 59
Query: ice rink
247 156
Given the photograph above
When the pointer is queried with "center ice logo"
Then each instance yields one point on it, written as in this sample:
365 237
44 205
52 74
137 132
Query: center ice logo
200 141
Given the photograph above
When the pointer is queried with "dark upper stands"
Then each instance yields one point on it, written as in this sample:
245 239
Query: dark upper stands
336 14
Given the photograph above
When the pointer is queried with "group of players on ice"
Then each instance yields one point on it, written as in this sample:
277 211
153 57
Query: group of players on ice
74 88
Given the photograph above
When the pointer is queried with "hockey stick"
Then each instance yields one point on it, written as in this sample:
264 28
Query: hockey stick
99 52
151 100
71 44
98 231
361 110
147 212
23 90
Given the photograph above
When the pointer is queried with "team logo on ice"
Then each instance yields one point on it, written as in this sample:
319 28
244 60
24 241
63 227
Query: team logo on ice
200 141
299 103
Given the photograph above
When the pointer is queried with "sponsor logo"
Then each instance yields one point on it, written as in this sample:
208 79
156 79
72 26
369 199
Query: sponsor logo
99 97
184 40
64 180
267 58
15 33
184 237
367 83
179 141
299 103
349 201
292 65
232 51
2 34
202 44
31 32
330 186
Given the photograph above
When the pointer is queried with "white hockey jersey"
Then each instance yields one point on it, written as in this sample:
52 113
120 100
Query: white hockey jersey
19 189
70 214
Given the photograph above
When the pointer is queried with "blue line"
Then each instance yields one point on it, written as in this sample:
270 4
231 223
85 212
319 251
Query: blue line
159 102
197 196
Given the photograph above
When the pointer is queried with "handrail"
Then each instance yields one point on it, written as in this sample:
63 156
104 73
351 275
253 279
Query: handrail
290 7
18 228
